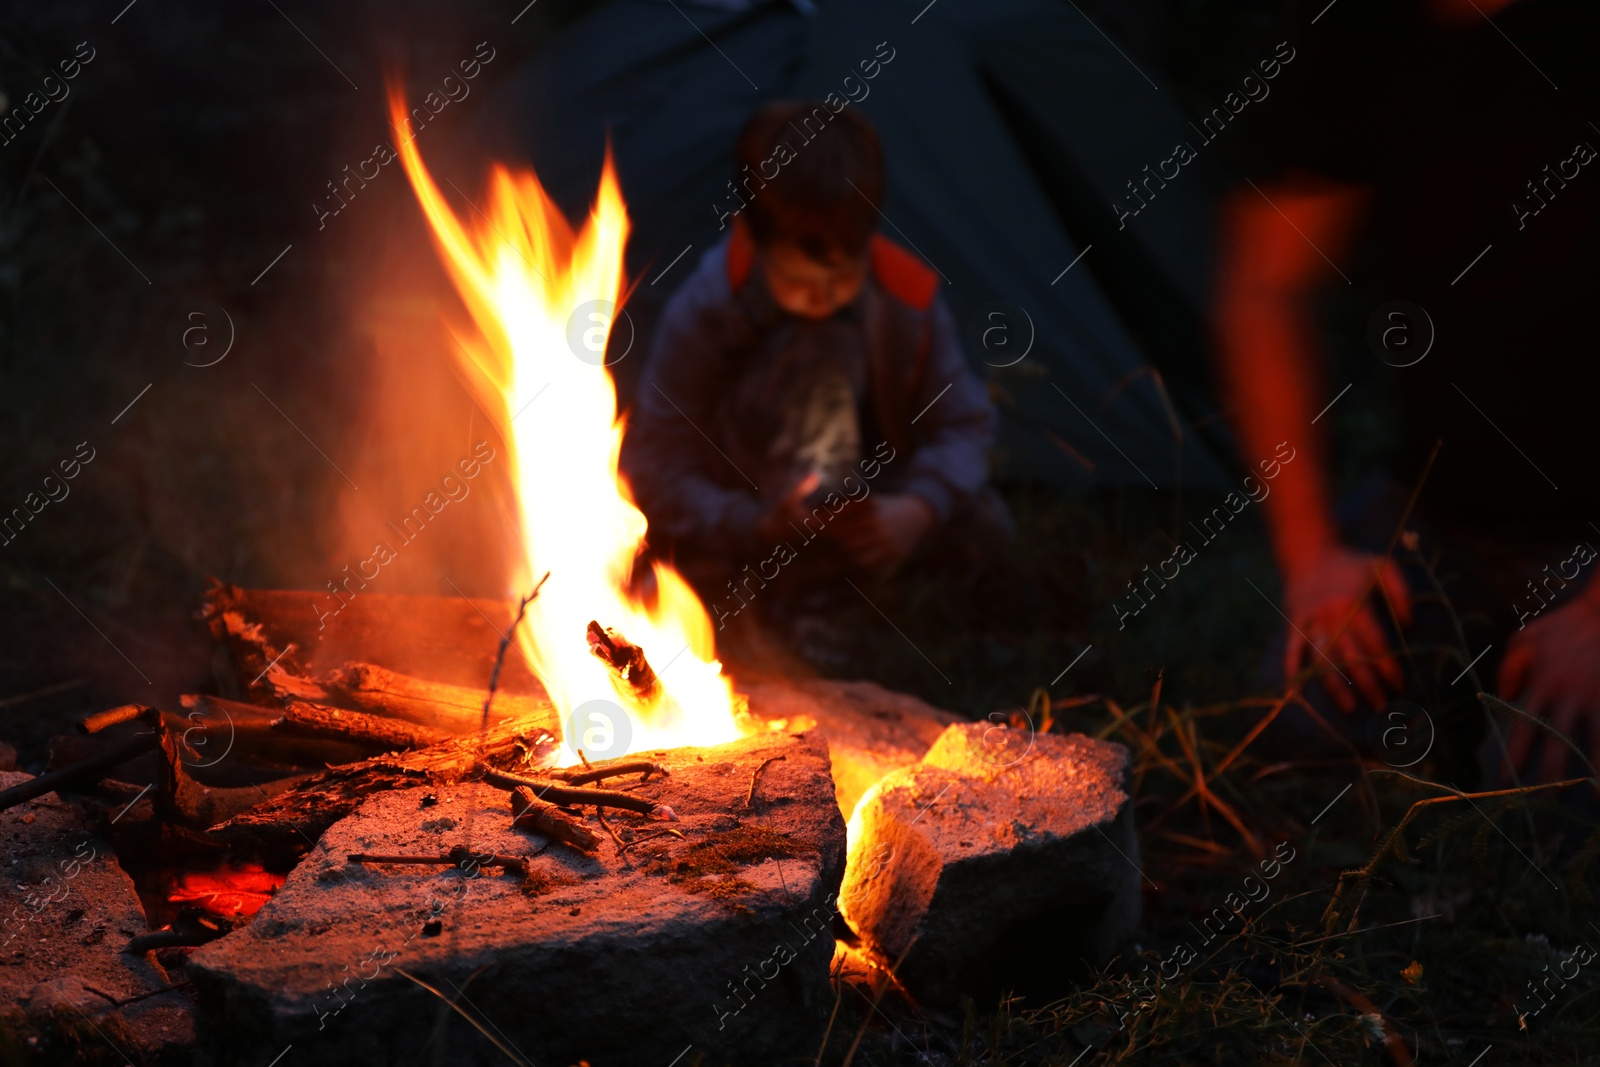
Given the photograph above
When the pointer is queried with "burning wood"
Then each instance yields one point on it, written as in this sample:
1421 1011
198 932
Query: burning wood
225 889
453 709
627 660
100 720
460 857
289 738
445 639
318 720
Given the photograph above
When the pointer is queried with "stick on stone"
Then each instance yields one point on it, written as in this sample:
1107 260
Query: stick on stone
542 817
565 795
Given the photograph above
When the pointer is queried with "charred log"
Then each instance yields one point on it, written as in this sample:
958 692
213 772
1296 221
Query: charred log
627 660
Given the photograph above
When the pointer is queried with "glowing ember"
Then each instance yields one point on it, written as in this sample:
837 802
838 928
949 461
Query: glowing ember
227 892
527 279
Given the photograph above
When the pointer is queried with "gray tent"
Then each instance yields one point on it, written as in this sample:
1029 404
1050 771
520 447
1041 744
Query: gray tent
1010 128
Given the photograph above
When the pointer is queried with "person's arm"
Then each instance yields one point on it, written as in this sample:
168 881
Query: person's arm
670 462
954 425
1273 263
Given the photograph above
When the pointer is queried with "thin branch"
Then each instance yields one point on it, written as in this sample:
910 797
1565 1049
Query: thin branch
505 642
749 798
476 1025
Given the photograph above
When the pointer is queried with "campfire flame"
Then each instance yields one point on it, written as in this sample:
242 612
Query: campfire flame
530 284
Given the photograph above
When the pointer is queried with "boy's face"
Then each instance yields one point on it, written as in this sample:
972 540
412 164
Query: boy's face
803 286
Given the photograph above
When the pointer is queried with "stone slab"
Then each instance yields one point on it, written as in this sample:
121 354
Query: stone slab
66 910
870 730
1004 860
613 959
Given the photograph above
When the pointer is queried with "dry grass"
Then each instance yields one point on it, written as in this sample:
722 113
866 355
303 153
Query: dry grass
1404 930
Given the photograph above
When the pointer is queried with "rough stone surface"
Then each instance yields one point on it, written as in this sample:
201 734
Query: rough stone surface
1004 860
66 910
614 959
870 730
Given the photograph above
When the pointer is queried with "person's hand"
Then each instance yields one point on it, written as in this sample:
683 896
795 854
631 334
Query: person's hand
1332 588
881 530
1552 669
777 522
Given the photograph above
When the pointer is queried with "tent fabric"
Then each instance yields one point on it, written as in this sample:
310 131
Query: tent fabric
1009 127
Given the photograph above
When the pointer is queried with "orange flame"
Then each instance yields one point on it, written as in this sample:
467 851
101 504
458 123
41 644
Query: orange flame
530 284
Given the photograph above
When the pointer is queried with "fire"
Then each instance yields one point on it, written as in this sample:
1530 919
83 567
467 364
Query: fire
228 891
530 284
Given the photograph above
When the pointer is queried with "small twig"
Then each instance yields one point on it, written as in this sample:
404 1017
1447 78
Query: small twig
878 989
1365 873
838 996
501 1045
153 993
586 764
97 991
600 813
642 838
614 770
557 793
460 856
505 643
494 681
751 796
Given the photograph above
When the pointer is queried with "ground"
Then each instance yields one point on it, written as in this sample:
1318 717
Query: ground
162 185
1348 916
